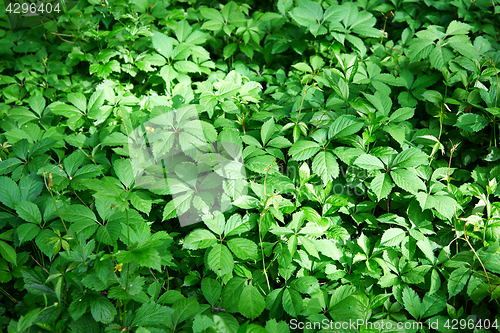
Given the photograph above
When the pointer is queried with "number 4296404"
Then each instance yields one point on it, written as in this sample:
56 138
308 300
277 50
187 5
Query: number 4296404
32 8
461 324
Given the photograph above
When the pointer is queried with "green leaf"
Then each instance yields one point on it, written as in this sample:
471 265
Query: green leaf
392 237
183 309
407 180
462 45
303 67
408 158
8 252
369 162
102 309
458 28
425 246
432 304
34 282
26 321
8 165
229 49
440 57
211 14
29 212
9 192
65 110
151 314
306 284
302 150
123 169
325 165
280 142
199 239
261 164
292 302
27 232
309 246
37 104
309 14
162 44
95 103
382 185
108 233
211 290
267 131
220 260
243 248
216 224
457 280
284 6
251 302
444 205
141 201
82 218
411 302
420 49
247 202
433 96
78 99
471 122
343 126
402 114
186 66
231 293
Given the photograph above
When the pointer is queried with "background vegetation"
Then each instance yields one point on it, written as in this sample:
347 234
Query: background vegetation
369 134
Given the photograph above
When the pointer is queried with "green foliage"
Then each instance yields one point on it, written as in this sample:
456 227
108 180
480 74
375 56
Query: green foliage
354 150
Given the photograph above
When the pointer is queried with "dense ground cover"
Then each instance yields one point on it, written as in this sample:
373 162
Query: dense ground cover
352 170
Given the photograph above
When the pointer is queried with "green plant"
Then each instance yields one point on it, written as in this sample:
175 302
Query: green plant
237 167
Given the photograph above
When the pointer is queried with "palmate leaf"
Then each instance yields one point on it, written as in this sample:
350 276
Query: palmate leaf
310 15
